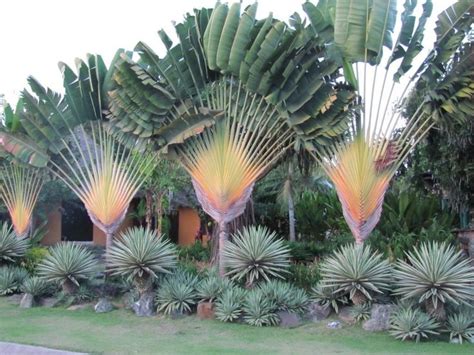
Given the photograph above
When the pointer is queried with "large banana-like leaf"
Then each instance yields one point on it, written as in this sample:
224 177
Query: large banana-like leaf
19 189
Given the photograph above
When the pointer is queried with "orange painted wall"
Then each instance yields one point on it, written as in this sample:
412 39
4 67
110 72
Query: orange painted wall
98 237
189 224
54 228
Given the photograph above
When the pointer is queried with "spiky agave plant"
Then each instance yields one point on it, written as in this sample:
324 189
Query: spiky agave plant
11 247
247 87
409 323
460 326
435 274
361 164
19 189
256 254
141 255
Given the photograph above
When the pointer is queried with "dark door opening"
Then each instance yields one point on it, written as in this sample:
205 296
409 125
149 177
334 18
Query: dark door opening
75 223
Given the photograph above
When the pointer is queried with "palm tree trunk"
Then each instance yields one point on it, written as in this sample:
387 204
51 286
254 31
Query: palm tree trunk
109 240
291 218
223 236
149 208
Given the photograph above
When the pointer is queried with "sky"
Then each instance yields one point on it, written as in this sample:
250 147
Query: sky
36 35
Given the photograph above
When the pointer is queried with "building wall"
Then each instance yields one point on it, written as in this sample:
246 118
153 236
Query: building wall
189 224
54 228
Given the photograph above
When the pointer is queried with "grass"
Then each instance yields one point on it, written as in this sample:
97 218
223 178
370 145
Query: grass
121 332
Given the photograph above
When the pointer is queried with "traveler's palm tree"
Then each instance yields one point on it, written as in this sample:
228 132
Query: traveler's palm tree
246 87
362 164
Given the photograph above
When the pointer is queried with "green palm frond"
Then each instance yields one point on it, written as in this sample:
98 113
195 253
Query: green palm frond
12 248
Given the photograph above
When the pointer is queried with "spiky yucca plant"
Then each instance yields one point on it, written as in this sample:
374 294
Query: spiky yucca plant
460 326
35 286
409 323
434 275
67 264
212 287
285 296
255 254
258 309
361 164
361 312
11 278
19 189
229 304
177 293
11 247
141 255
328 297
357 271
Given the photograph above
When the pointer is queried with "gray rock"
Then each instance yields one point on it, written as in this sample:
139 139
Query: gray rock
346 315
128 299
79 307
379 318
334 325
455 341
145 306
27 301
316 312
178 314
16 298
103 306
48 302
288 319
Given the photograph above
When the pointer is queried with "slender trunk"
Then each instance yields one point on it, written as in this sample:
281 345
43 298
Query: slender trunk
291 218
223 236
109 240
159 212
149 208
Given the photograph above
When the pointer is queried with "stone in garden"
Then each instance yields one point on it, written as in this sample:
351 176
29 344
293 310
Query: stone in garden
316 312
334 325
16 298
145 306
455 341
379 318
128 299
48 302
205 310
288 319
79 307
103 306
27 301
346 315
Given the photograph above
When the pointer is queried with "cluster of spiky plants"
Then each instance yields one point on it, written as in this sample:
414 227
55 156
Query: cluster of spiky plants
258 309
460 325
434 275
328 297
361 312
229 304
11 246
212 287
177 293
11 278
410 323
35 286
141 256
357 271
255 254
285 296
67 264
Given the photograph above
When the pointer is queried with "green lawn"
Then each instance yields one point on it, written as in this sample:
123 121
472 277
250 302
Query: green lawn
122 332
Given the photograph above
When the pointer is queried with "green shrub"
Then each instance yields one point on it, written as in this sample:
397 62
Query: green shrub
12 248
141 255
358 272
211 287
329 297
361 312
285 296
229 304
67 264
34 256
177 293
461 326
35 286
304 275
83 293
11 278
435 274
258 309
255 254
195 252
408 323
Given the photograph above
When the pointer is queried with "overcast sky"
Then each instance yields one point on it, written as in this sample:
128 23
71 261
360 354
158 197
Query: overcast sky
37 34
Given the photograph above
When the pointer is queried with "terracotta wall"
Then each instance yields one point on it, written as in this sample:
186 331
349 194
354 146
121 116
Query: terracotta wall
189 224
54 228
